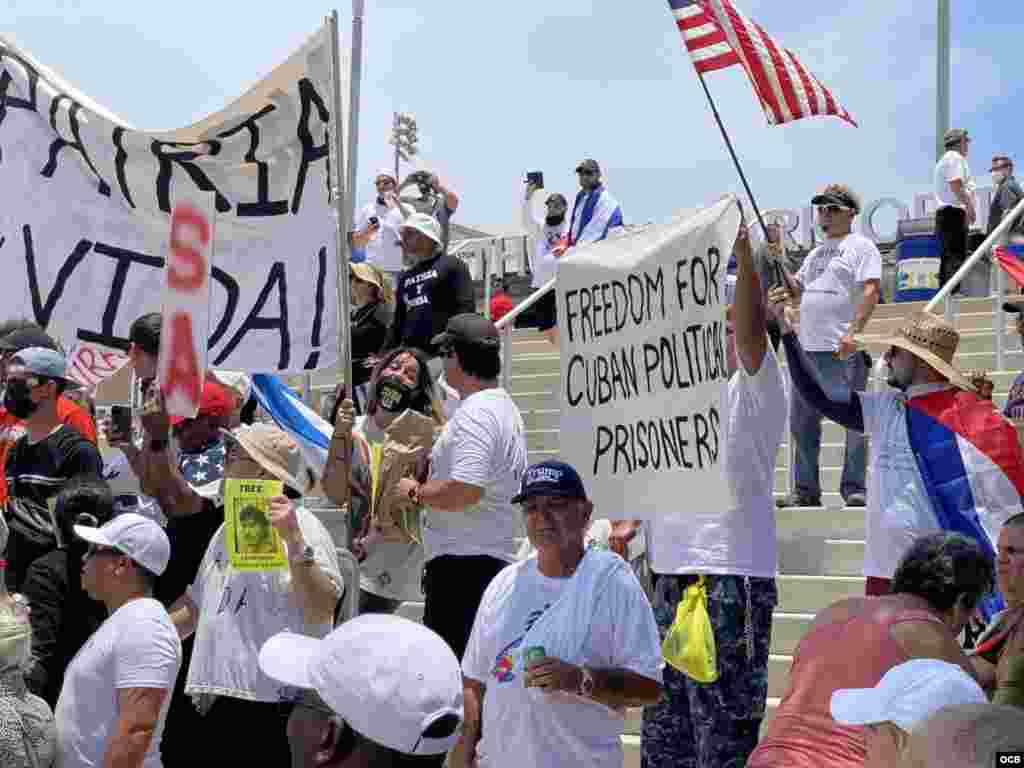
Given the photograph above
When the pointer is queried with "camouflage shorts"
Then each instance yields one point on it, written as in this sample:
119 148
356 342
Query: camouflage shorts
714 725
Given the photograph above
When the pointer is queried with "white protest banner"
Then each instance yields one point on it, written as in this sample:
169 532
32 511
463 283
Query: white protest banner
87 203
186 313
642 320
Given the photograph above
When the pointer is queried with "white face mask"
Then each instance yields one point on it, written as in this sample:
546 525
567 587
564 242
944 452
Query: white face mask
998 177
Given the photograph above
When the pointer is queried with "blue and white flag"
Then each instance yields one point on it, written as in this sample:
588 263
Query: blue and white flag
594 214
311 432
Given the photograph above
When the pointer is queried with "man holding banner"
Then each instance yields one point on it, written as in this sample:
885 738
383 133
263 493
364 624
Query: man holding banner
726 556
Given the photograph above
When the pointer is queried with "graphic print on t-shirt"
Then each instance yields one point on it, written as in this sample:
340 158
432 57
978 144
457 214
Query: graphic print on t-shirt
507 660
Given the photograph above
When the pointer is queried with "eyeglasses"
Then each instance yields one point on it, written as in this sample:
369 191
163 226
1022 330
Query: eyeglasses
585 172
86 520
832 210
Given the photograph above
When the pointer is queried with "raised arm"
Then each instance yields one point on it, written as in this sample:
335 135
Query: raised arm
748 309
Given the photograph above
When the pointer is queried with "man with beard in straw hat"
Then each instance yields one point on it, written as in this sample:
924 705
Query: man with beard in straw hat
943 457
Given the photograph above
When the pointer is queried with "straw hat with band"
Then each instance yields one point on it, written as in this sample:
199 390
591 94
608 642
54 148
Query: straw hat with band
930 338
368 273
275 451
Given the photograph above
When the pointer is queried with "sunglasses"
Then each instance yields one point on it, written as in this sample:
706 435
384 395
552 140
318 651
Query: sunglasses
447 351
832 210
585 172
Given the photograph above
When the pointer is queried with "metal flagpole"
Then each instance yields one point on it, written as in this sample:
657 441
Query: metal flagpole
732 152
942 77
343 208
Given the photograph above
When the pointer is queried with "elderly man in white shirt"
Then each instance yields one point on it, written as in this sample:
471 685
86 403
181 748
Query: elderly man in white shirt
562 642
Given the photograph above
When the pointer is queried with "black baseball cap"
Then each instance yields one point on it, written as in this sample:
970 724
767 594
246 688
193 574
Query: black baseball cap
834 197
25 338
550 478
468 328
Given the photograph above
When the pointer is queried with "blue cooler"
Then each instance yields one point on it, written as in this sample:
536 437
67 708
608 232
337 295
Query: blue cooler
917 268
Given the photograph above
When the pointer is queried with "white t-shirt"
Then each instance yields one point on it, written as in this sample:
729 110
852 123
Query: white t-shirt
951 166
392 569
833 275
240 610
136 647
740 542
484 444
385 249
524 727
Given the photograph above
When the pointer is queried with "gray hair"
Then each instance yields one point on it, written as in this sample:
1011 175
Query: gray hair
974 733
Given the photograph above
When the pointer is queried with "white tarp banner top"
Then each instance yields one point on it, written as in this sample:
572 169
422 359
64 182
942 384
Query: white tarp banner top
642 321
85 205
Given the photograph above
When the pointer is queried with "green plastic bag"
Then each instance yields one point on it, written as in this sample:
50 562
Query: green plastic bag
689 645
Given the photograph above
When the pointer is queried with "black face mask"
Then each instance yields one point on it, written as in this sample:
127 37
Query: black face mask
393 395
18 399
554 220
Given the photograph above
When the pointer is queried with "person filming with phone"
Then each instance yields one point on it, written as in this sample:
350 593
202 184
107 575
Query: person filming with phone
549 236
378 225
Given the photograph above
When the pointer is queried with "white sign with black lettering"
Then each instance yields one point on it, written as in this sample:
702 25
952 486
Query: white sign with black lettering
87 204
642 321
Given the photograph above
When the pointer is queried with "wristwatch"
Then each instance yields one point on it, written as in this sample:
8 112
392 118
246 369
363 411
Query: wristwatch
586 683
305 557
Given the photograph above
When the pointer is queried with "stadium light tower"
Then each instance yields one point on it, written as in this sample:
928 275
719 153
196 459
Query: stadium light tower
403 138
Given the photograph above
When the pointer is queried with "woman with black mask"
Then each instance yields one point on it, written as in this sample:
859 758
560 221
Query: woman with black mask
63 616
390 571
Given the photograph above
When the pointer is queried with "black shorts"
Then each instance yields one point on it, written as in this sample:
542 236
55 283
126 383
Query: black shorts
545 311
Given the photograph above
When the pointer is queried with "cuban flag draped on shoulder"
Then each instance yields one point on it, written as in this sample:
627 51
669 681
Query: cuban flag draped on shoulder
311 432
971 465
594 214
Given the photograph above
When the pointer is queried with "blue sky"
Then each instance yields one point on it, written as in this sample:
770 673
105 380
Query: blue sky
500 89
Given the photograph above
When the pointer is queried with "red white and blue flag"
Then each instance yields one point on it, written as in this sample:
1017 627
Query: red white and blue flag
717 36
971 464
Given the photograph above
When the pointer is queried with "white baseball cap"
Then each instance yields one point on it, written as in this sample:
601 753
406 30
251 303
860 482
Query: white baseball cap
907 695
389 678
425 225
136 536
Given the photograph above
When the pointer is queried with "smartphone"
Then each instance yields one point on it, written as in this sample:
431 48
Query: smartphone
121 420
536 178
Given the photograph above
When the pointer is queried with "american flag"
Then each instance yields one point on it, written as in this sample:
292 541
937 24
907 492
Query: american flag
718 36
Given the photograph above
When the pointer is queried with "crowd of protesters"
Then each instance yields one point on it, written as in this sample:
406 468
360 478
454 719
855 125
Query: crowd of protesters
130 636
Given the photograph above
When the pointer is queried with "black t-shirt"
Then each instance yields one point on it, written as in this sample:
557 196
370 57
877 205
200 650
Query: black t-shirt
429 295
36 472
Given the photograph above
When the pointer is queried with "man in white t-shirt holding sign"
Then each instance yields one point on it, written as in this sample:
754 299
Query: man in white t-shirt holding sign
730 552
953 196
562 642
116 692
838 287
471 529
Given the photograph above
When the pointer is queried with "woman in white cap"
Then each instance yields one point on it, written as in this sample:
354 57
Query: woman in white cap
233 611
28 736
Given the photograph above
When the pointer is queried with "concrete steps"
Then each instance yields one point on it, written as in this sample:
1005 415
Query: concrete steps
820 549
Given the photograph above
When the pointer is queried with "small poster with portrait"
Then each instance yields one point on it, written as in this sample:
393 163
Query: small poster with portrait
253 544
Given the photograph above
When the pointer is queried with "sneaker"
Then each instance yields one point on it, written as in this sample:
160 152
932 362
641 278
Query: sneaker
796 500
856 500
